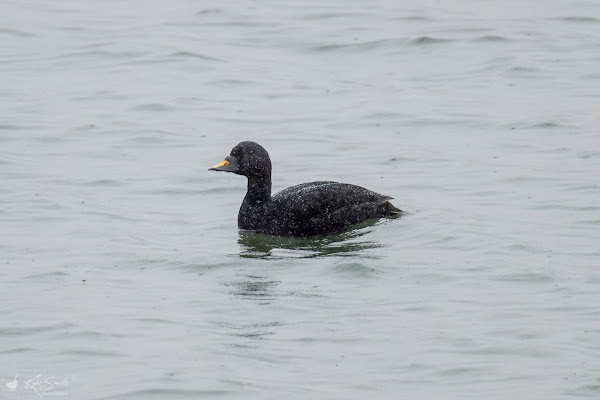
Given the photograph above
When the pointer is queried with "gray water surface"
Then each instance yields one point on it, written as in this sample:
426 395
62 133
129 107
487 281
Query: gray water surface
125 277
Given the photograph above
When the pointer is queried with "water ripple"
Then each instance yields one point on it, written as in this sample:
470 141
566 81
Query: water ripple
154 107
360 47
191 54
30 331
16 32
491 38
587 20
173 394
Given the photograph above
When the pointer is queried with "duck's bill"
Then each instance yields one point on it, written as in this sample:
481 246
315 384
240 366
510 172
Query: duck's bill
229 165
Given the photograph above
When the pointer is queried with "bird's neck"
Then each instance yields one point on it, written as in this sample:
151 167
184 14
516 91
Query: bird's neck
259 189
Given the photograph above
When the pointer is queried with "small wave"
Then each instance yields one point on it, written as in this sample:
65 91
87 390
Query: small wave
491 38
427 40
401 159
556 150
15 32
433 121
161 394
17 350
385 115
586 391
46 275
588 154
11 127
230 82
585 187
580 19
547 124
320 16
527 179
94 335
525 277
564 207
357 46
118 55
370 45
154 107
104 182
93 353
155 321
191 54
523 69
419 18
588 222
460 371
85 127
243 24
33 330
211 11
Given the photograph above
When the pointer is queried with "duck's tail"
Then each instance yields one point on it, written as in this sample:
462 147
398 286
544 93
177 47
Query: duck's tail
390 210
387 209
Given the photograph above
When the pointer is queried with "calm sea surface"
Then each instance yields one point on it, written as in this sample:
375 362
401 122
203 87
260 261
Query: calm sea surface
124 275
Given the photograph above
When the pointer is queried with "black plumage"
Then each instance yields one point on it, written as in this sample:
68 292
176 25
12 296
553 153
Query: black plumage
308 209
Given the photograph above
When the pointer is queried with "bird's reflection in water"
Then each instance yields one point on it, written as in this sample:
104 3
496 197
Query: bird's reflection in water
250 328
258 245
256 288
263 290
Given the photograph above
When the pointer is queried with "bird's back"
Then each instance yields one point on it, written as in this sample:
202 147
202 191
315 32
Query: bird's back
318 208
